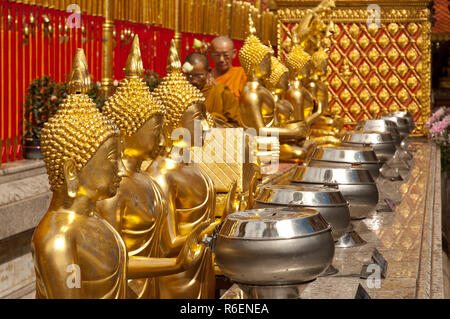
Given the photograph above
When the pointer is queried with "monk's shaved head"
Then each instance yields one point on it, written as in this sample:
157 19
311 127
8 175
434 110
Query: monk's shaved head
197 57
222 53
222 41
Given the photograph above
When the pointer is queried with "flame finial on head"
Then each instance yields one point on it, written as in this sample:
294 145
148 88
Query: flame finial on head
79 77
134 66
253 51
132 105
175 91
173 62
251 24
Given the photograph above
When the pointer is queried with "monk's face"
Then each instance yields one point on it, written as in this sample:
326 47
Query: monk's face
198 76
222 54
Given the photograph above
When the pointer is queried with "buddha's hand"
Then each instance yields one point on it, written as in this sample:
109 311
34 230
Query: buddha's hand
231 199
193 247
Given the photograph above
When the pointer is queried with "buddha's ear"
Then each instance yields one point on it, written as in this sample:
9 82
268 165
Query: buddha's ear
71 177
121 145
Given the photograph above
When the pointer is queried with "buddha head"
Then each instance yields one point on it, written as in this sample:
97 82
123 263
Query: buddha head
184 103
296 61
139 116
320 63
255 56
278 79
79 144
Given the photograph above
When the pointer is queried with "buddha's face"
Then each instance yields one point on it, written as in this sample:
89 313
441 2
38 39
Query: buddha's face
101 176
283 84
305 72
322 67
145 143
265 67
195 112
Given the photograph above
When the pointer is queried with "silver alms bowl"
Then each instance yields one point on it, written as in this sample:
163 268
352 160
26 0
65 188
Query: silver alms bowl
407 116
346 157
274 246
403 126
382 142
328 201
356 185
381 126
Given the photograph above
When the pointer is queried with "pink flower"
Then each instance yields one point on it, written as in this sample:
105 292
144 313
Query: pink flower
438 128
437 116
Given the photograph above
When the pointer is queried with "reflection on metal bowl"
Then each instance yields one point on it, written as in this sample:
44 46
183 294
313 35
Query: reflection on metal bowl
356 185
381 142
328 201
274 246
403 125
407 116
381 126
347 157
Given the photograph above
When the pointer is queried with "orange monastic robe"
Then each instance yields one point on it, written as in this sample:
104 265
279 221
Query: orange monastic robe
221 103
235 79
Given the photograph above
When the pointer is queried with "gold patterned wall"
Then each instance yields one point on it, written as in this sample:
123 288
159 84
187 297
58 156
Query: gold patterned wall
375 70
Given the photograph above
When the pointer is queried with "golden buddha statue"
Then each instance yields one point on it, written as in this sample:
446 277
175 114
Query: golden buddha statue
189 190
327 128
291 149
77 253
312 29
137 211
298 63
257 103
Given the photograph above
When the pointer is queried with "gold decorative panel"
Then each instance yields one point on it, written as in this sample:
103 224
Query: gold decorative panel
389 65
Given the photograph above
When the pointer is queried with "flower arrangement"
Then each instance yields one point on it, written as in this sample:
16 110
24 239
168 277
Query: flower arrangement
439 128
152 79
41 102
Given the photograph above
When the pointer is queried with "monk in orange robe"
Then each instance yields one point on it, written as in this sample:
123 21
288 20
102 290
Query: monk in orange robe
219 100
222 53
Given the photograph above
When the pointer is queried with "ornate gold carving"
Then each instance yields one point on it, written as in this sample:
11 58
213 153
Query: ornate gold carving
384 95
383 41
383 69
354 31
412 28
412 82
364 69
392 28
344 42
402 69
393 55
354 55
355 109
374 108
403 41
374 82
411 55
373 55
355 82
403 95
335 57
364 96
393 82
364 41
336 83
